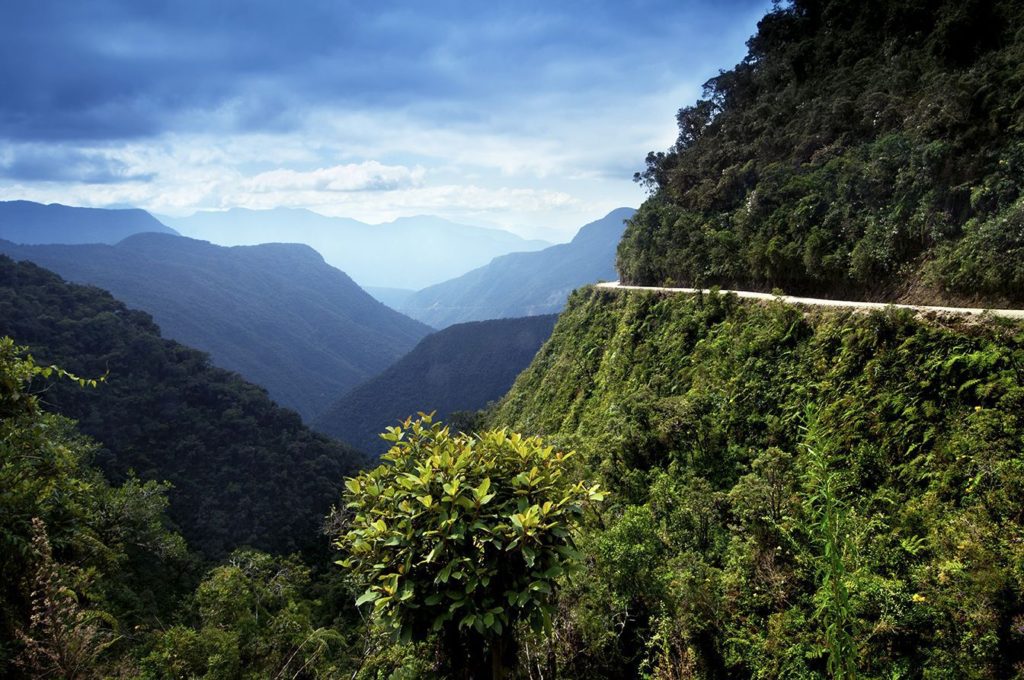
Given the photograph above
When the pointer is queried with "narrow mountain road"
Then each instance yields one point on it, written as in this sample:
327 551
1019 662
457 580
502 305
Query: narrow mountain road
817 302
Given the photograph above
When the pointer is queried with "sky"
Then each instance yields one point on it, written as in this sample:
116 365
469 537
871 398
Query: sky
530 116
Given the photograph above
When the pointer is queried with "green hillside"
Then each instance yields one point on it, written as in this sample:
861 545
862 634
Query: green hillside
64 527
244 472
275 313
461 368
791 488
873 149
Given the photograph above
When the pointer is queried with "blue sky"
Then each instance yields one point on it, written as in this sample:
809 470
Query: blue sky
532 116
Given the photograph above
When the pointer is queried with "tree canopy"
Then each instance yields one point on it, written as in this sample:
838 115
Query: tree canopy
244 471
863 148
81 560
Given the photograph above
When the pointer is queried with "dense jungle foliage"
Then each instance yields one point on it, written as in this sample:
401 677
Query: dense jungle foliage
97 585
64 528
794 493
243 471
865 147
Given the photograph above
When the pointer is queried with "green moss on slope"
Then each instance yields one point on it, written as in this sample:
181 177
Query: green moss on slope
794 490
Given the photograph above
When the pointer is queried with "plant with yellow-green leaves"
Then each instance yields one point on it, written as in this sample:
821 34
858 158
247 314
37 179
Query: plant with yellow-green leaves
463 536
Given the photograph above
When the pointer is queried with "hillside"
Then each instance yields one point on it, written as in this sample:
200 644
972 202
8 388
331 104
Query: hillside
462 368
793 488
275 313
524 284
30 223
112 542
410 252
867 148
243 470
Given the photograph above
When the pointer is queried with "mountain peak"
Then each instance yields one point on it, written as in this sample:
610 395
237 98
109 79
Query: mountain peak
28 222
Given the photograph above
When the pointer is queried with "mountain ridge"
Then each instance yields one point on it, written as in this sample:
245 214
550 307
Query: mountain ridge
524 284
31 223
245 472
408 252
276 313
461 368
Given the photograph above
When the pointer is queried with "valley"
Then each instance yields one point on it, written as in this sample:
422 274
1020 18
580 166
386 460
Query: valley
767 424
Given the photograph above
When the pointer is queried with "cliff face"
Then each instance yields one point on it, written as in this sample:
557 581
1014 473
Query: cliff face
780 473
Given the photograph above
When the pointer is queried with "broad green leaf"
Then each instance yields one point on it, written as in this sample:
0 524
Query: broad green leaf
368 596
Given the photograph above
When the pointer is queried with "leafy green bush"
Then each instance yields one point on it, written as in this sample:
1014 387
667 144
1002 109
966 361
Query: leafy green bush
256 620
463 536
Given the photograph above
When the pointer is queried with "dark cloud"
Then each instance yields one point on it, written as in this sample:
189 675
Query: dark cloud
108 69
56 164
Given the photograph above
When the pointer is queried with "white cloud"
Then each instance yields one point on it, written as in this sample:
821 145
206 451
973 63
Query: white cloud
367 176
542 177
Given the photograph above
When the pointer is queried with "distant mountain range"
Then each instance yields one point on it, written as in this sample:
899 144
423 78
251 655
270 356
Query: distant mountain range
461 368
410 252
28 222
278 314
245 472
524 284
392 297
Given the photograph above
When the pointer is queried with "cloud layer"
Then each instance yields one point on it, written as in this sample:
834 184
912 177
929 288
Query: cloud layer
166 102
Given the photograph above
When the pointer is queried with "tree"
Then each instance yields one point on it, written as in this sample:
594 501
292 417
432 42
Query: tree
256 620
64 640
80 557
464 537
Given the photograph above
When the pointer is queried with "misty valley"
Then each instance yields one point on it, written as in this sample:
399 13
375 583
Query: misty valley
309 376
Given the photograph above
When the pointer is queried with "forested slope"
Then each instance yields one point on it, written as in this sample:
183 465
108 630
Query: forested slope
244 471
63 527
866 148
96 585
461 368
276 313
791 488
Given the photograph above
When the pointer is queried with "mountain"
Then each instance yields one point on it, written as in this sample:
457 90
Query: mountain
410 252
392 297
524 284
801 491
871 149
462 368
275 313
762 456
28 222
244 471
